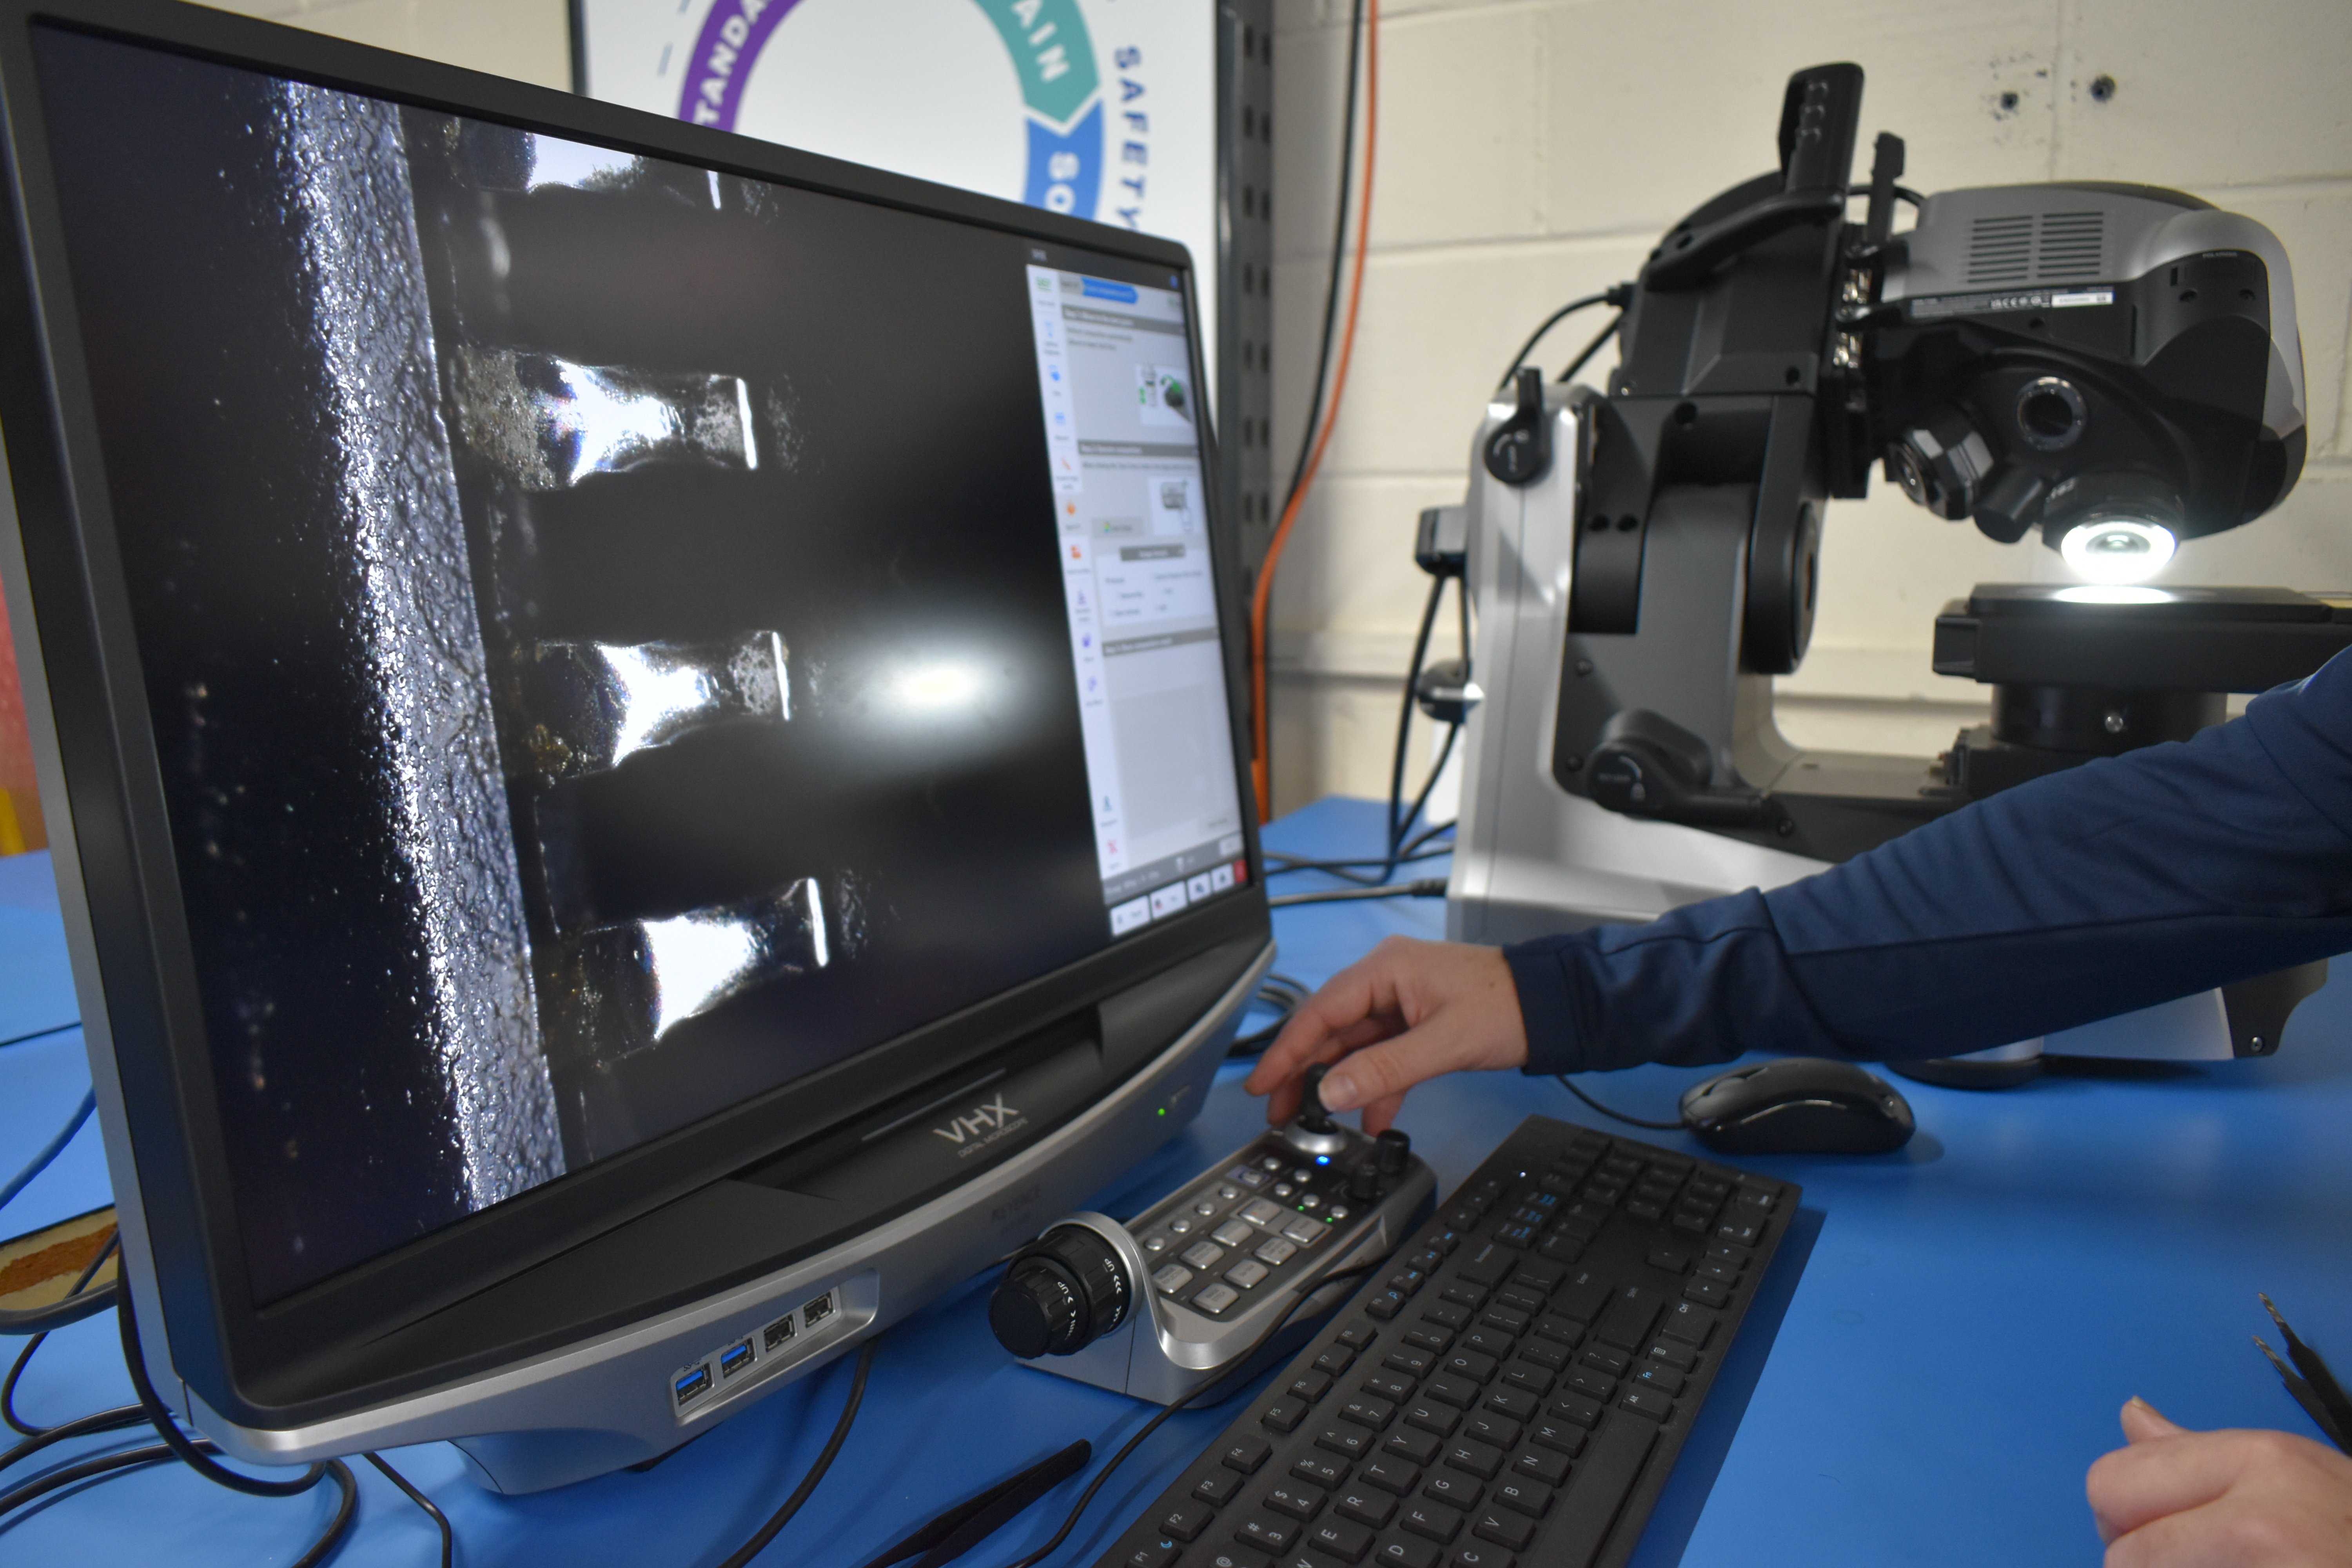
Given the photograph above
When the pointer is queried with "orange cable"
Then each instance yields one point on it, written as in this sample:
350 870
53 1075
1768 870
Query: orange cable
1259 764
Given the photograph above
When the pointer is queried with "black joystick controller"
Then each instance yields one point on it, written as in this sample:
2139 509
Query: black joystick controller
1311 1114
1381 1168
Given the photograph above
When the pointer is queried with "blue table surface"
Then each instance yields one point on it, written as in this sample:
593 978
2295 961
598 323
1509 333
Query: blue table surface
1938 1355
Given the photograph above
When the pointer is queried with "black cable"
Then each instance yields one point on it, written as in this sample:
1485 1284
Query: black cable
113 1420
16 1370
1618 295
1286 864
1338 259
1413 851
1282 995
784 1515
1405 721
1905 194
1616 1115
1421 801
154 1453
1426 888
1149 1427
177 1440
440 1520
1580 361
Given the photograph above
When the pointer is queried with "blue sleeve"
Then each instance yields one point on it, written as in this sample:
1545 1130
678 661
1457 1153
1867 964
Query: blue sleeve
2104 888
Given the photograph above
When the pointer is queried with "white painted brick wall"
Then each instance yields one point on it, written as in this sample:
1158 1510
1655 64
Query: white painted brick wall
527 40
1531 150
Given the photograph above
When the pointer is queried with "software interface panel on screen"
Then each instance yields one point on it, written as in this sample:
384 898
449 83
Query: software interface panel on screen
618 636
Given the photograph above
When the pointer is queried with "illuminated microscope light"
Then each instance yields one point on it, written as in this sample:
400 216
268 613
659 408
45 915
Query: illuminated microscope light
700 958
594 705
548 423
940 688
2115 550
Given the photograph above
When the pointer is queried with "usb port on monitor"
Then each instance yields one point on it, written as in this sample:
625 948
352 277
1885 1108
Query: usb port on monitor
731 1361
692 1384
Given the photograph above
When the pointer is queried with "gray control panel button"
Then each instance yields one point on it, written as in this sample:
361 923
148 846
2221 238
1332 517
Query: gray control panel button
1246 1273
1262 1211
1216 1298
1301 1230
1204 1254
1173 1277
1233 1233
1274 1249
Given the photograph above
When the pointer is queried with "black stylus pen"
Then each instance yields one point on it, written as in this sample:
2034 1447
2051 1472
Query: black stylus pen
2314 1386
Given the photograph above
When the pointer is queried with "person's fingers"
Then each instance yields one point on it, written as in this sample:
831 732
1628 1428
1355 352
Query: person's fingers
2143 1421
2162 1476
1283 1101
1348 998
1386 1070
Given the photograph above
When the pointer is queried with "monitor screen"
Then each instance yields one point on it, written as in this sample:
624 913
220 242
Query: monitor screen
619 637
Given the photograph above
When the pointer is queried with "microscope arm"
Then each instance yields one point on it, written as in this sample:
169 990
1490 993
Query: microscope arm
2096 891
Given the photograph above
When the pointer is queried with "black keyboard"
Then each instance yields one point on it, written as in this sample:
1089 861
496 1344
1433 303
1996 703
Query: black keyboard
1511 1391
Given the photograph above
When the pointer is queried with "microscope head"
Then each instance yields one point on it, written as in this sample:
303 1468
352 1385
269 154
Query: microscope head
2115 365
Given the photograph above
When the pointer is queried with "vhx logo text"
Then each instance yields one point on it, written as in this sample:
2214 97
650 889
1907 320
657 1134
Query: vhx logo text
984 1125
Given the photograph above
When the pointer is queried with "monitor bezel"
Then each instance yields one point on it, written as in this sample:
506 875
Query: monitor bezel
247 1360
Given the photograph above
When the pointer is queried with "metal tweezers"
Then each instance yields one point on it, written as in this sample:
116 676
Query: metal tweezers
970 1523
2314 1386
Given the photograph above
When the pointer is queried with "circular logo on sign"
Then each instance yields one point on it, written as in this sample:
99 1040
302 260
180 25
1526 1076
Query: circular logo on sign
1051 53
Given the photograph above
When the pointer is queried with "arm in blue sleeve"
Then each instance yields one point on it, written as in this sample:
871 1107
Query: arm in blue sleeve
2098 890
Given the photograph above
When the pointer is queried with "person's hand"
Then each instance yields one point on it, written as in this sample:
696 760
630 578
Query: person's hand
1408 1011
2177 1499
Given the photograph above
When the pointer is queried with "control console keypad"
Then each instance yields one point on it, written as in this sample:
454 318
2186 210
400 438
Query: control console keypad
1245 1229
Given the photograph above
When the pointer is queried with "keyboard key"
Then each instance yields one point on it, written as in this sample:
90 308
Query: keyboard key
1707 1292
1627 1322
1508 1318
1608 1359
1464 1293
1266 1533
1245 1454
1300 1502
1366 1505
1453 1489
1480 1556
1348 1442
1447 1389
1582 1299
1550 1354
1345 1540
1262 1211
1520 1297
1489 1266
1532 1380
1647 1402
1152 1554
1410 1360
1186 1520
1541 1465
1335 1360
1563 1246
1505 1528
1577 1408
1559 1330
1673 1259
1433 1417
1431 1521
1217 1487
1689 1322
1430 1337
1680 1357
1499 1430
1385 1306
1310 1385
1394 1386
1665 1379
1471 1365
1406 1555
1592 1381
1529 1498
1322 1469
1541 1279
1742 1232
1483 1460
1405 1443
1560 1437
1358 1337
1488 1341
1368 1411
1216 1298
1283 1415
1406 1282
1446 1315
1390 1474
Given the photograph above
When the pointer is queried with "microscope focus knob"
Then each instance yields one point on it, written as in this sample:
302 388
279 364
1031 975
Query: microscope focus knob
1364 1181
1062 1292
1390 1151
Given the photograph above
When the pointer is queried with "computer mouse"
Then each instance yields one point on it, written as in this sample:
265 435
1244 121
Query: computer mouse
1798 1105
